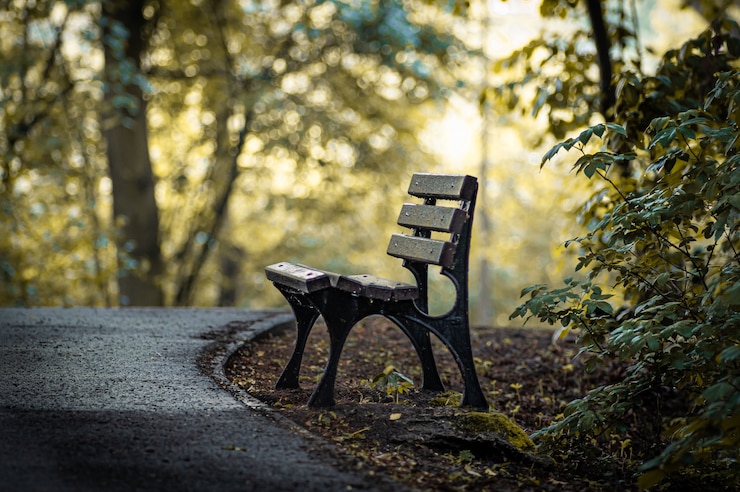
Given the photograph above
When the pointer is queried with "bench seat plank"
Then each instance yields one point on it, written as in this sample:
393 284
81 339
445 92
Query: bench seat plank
433 218
297 277
422 249
373 287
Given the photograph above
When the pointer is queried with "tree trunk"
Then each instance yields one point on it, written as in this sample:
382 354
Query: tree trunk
125 127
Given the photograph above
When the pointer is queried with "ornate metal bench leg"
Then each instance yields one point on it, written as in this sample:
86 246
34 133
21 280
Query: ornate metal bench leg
305 315
341 311
456 338
458 341
323 395
422 343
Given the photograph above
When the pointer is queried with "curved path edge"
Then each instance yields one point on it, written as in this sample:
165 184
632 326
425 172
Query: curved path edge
118 400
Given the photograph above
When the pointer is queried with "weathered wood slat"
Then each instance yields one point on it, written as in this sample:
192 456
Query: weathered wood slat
422 249
297 277
373 287
443 186
433 218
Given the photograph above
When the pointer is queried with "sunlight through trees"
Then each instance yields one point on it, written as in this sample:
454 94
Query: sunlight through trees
164 152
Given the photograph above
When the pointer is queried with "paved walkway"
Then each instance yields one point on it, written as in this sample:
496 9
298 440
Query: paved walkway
117 399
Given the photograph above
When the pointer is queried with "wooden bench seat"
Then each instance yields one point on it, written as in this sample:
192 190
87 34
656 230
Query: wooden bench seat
343 300
306 279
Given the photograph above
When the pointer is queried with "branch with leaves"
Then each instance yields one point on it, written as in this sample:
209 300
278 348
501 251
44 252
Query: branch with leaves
660 260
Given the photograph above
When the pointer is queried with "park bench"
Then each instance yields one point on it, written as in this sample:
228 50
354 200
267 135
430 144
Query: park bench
343 300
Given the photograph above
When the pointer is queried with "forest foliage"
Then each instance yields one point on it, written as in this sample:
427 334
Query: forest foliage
657 283
273 129
257 112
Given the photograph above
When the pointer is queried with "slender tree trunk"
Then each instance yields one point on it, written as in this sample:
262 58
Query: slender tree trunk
129 165
485 286
230 257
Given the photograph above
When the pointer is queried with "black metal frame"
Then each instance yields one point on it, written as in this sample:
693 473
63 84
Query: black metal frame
342 308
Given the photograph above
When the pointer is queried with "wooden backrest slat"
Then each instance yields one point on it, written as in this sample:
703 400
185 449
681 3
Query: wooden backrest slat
413 248
443 186
433 218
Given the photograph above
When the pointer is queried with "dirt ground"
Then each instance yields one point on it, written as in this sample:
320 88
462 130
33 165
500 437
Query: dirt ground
414 436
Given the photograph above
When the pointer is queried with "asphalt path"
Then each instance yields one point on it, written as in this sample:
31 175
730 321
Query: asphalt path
135 400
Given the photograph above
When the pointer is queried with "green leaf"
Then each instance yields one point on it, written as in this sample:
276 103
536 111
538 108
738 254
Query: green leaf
665 80
666 161
533 288
617 128
586 422
731 296
652 342
663 138
687 132
659 124
605 306
403 377
582 138
698 120
585 136
662 279
551 153
594 165
730 354
718 391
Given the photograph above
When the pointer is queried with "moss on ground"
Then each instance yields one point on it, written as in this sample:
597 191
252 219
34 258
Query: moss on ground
496 423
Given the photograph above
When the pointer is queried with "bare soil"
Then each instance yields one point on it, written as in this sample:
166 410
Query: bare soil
413 436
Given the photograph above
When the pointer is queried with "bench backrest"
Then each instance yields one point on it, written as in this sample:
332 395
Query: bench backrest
420 249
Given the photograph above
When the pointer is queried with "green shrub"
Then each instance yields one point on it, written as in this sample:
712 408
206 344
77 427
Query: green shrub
658 275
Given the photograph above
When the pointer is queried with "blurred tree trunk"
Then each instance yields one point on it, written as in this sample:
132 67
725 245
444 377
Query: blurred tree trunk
230 259
129 165
485 286
222 176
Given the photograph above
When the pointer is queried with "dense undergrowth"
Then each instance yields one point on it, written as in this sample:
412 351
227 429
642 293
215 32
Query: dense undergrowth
657 285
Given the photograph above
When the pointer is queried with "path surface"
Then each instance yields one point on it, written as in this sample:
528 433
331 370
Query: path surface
116 399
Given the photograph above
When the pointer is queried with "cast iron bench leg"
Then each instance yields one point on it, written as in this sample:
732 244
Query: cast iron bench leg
339 328
421 340
473 395
459 343
339 321
305 315
457 340
347 310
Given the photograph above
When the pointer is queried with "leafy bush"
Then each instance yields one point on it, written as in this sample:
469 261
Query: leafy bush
658 284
